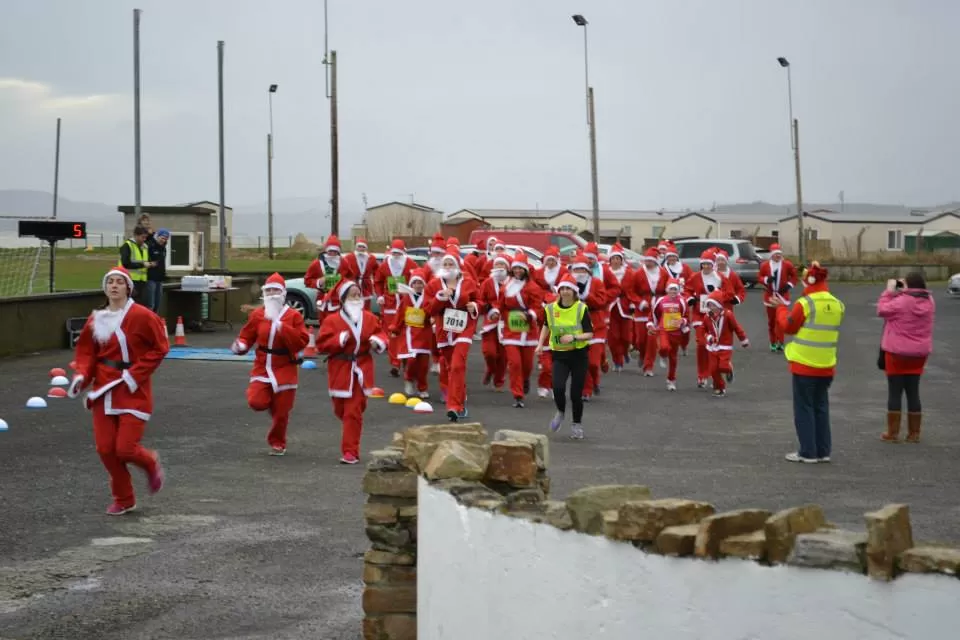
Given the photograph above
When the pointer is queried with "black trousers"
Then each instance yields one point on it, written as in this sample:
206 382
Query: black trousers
897 386
573 365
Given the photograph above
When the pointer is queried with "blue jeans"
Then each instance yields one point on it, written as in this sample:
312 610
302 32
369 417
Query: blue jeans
153 295
811 415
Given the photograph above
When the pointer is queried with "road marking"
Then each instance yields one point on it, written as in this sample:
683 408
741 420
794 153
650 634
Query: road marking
118 540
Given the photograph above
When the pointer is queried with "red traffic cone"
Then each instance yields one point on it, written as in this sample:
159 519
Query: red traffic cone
311 350
180 337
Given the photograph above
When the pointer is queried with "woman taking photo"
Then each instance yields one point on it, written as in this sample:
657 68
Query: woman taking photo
908 311
569 330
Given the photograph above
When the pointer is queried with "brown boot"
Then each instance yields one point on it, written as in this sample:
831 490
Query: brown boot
893 427
913 427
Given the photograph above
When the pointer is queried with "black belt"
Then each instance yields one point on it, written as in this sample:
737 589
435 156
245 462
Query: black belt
280 352
116 364
350 357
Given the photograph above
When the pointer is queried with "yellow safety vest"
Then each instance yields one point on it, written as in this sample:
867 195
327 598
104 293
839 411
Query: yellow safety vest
137 254
563 322
815 344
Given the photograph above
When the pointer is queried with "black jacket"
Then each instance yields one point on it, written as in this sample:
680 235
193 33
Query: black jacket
158 254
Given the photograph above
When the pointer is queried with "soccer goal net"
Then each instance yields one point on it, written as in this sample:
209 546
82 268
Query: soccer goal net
24 269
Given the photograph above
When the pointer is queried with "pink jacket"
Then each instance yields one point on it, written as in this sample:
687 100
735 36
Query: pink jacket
908 326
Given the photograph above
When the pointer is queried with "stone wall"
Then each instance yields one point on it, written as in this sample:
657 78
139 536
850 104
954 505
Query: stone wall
507 478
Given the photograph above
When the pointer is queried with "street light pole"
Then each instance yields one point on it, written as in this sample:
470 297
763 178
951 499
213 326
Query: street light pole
136 115
272 90
592 127
795 145
334 150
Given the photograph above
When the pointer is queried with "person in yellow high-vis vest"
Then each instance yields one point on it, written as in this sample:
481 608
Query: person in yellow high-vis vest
135 258
814 326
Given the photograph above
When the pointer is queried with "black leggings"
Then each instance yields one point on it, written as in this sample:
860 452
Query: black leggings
573 365
897 386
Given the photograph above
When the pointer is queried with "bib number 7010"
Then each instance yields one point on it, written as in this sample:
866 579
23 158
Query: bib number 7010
454 320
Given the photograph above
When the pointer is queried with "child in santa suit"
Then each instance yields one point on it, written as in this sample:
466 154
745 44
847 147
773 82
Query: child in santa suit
360 267
721 325
412 329
323 274
649 283
452 302
620 334
348 338
279 335
594 295
722 261
548 277
667 326
680 272
395 270
697 289
494 356
438 249
777 276
119 348
521 299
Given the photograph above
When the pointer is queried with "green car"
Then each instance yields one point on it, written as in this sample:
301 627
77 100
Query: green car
304 299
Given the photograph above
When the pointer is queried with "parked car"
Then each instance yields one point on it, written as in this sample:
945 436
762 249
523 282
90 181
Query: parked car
632 257
743 256
538 240
304 299
534 257
953 286
763 254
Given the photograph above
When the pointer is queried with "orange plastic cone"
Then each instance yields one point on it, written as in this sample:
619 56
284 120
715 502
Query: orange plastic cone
311 350
180 338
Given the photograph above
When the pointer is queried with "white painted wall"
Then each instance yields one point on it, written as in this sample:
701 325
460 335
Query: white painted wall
482 576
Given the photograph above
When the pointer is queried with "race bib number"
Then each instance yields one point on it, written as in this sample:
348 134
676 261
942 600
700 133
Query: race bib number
393 281
518 321
672 320
559 331
330 281
703 303
414 317
454 320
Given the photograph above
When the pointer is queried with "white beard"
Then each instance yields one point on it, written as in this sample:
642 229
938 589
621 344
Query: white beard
105 324
272 305
353 313
619 273
550 275
434 264
362 262
397 265
333 263
514 287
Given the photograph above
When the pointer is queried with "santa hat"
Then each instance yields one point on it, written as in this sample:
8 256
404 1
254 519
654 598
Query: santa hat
568 281
117 271
491 241
672 251
453 242
520 260
418 274
333 243
707 257
715 299
673 283
276 282
398 246
454 254
361 243
720 254
552 251
344 289
482 246
775 249
501 258
815 274
579 261
437 244
592 251
499 246
651 255
616 250
663 245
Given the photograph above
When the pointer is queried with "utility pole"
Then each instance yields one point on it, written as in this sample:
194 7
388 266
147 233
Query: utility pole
223 196
136 114
56 173
593 168
796 165
272 90
334 150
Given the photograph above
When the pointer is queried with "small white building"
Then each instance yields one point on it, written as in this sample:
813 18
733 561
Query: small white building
390 219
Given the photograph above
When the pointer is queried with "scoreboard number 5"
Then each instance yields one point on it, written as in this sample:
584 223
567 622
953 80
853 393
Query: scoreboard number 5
78 230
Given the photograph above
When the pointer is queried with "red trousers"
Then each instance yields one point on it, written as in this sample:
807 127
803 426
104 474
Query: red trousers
453 374
495 358
670 343
394 343
545 379
520 366
417 368
619 336
117 439
350 412
703 356
261 397
721 362
595 356
774 333
647 345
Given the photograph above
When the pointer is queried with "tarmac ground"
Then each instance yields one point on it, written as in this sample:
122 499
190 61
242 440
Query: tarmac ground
243 545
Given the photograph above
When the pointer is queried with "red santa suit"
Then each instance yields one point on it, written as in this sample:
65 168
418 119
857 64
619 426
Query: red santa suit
323 274
478 261
611 288
721 325
279 334
548 278
494 355
649 283
697 288
620 336
396 269
667 325
777 276
594 295
681 273
519 304
736 282
116 355
361 267
411 326
348 341
452 302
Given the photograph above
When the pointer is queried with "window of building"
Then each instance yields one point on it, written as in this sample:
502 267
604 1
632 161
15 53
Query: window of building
775 234
895 240
657 230
813 234
736 234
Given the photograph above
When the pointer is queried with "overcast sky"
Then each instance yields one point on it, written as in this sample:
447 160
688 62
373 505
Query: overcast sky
481 104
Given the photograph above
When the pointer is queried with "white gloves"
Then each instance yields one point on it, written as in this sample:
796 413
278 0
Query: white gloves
344 336
238 346
745 344
711 339
75 386
443 295
651 326
685 328
380 301
378 345
644 305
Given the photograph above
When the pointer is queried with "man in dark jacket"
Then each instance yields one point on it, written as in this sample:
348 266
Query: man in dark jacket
157 272
135 259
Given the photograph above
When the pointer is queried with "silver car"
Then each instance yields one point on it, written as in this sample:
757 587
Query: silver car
743 256
953 286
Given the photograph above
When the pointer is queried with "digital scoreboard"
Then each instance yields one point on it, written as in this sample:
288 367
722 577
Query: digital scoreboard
53 230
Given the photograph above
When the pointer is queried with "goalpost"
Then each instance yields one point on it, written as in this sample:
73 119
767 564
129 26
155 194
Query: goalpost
24 268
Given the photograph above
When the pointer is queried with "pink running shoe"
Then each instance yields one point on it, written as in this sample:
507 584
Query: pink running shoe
155 479
116 509
349 458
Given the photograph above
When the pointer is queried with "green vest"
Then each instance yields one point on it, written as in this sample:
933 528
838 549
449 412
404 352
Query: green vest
815 344
137 254
563 322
